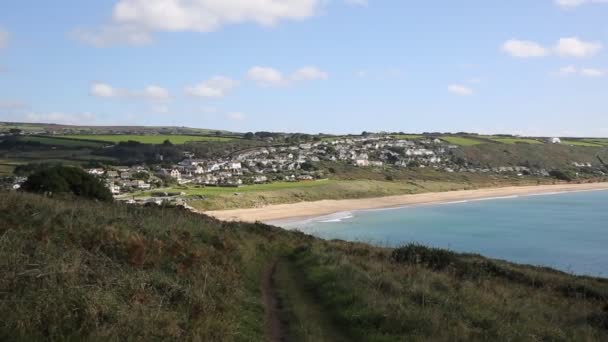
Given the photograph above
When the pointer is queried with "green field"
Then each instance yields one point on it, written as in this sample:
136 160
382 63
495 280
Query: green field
220 198
581 143
511 141
599 141
148 139
406 136
59 141
462 141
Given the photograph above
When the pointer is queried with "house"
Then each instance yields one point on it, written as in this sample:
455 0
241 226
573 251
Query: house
554 141
114 189
112 174
235 166
362 162
176 174
260 179
96 172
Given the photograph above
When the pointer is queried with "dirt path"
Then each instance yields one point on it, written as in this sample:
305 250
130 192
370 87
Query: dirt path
275 328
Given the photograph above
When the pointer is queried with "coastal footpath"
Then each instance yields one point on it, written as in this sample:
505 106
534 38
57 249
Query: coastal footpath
302 210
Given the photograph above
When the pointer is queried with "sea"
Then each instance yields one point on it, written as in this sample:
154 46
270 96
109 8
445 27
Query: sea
565 231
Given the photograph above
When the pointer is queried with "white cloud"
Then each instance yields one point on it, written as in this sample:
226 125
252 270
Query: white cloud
574 47
236 116
156 93
60 118
524 49
133 21
576 3
4 37
151 92
216 87
266 76
103 90
309 74
113 35
589 72
460 90
565 47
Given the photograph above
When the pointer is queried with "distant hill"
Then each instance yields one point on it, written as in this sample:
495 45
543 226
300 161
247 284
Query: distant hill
83 270
77 129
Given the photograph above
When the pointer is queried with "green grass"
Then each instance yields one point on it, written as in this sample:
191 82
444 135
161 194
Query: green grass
407 136
581 143
362 185
81 270
62 142
598 141
148 139
438 295
462 141
511 141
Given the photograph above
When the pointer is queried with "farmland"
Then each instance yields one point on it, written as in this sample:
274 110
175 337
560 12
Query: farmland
149 139
584 143
407 136
511 141
62 142
462 141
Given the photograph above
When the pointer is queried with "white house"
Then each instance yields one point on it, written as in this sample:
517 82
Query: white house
114 189
97 172
362 162
176 174
555 140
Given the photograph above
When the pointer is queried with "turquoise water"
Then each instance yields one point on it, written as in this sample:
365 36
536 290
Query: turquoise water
567 231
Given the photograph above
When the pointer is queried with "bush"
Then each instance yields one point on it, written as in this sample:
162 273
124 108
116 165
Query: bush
65 179
436 259
562 175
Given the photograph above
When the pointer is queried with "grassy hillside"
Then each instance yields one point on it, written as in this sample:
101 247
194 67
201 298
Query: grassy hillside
536 155
79 270
148 139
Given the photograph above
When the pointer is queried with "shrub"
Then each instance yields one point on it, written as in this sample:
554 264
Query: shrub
436 259
65 179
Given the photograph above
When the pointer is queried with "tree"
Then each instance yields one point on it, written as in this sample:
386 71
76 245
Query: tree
249 135
67 180
167 142
14 131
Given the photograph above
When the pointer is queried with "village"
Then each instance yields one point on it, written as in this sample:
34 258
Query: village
297 164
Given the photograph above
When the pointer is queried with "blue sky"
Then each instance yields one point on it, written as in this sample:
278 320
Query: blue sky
525 67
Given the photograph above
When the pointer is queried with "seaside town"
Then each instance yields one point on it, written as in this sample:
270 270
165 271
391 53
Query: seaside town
294 163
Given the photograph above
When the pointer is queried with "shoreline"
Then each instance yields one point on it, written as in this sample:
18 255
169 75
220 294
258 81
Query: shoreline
299 211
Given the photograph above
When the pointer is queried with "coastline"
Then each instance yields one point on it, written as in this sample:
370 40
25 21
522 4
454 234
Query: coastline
305 210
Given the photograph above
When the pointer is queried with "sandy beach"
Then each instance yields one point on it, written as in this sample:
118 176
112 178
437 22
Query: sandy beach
304 210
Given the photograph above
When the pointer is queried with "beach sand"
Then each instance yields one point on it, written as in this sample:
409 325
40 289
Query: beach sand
302 210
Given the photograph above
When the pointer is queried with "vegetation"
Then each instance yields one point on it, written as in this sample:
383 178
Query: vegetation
58 141
581 143
149 139
113 272
67 180
512 141
546 156
462 141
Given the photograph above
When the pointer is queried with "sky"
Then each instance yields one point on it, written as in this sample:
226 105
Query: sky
529 67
